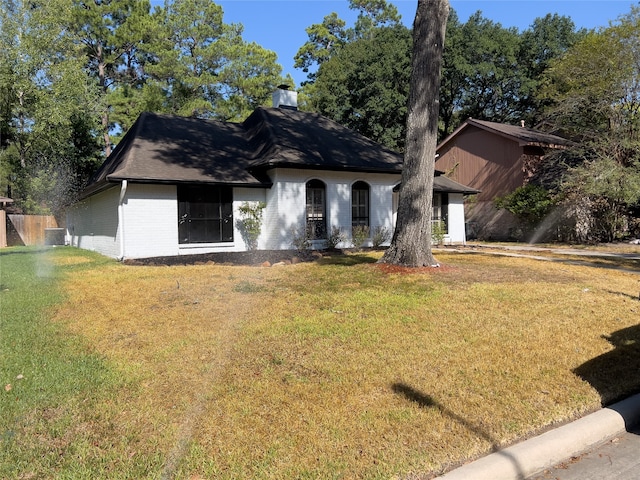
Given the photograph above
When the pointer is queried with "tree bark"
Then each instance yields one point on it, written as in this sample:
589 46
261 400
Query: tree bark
411 243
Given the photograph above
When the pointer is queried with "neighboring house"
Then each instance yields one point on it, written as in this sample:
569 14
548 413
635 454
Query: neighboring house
174 185
496 159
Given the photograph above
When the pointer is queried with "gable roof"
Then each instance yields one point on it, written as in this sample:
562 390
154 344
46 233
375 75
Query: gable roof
444 184
171 149
523 135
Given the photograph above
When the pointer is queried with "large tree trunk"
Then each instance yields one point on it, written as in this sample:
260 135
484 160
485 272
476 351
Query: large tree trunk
411 243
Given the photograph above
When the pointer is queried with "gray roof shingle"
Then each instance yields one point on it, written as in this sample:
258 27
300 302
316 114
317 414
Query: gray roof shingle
170 149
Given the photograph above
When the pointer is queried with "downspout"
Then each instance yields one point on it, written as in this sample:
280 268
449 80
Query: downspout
123 192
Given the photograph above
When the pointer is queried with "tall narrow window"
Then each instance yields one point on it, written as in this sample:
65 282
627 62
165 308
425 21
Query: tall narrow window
316 210
205 214
440 209
360 204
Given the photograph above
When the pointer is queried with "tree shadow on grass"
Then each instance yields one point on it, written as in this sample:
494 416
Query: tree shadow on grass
346 259
615 374
427 401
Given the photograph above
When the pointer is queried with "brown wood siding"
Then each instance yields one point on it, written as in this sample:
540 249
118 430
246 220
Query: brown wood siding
484 161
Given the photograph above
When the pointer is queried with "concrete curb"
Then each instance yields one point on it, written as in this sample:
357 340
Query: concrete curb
532 456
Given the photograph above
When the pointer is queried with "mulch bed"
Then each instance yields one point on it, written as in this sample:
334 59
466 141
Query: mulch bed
258 258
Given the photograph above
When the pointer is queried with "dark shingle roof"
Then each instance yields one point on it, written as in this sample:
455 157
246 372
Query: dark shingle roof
522 135
170 149
445 184
291 138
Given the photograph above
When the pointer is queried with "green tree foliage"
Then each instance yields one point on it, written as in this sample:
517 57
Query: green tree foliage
327 38
76 74
324 39
547 39
593 93
492 76
365 86
48 146
110 33
373 14
530 203
489 72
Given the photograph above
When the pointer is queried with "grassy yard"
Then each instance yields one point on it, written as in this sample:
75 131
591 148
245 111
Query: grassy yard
331 369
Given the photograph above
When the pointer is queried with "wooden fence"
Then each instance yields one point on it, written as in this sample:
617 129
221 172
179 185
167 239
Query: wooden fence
28 229
3 228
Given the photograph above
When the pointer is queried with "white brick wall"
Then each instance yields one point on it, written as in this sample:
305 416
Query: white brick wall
456 233
93 223
150 214
150 220
287 198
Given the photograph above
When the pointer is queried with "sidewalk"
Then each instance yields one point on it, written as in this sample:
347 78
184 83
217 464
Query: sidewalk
529 251
542 454
560 251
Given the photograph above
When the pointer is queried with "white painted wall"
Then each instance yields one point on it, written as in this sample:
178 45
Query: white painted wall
286 202
456 231
149 214
93 223
150 221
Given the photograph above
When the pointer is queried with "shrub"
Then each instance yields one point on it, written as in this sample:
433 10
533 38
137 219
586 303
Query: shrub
530 203
300 239
438 231
250 224
336 237
380 235
359 235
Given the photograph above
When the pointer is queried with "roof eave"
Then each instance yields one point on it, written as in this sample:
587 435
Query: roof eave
165 181
337 168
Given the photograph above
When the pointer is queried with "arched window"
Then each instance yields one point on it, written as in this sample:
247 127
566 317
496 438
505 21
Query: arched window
316 210
360 204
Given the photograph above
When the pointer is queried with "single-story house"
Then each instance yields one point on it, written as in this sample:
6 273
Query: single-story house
174 185
494 158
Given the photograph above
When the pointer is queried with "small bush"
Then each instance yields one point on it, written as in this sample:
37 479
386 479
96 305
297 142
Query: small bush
530 203
336 237
250 223
380 235
300 239
359 235
438 232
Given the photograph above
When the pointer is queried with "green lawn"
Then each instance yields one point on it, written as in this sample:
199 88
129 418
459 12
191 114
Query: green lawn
330 369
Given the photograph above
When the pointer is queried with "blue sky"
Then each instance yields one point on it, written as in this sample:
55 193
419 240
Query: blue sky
279 25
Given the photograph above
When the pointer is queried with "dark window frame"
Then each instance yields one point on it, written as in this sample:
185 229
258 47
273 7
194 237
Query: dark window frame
205 214
360 204
440 209
316 209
